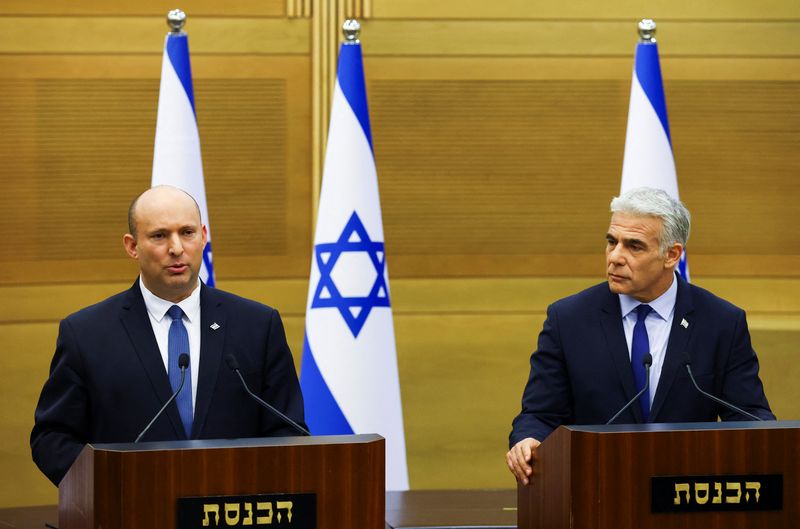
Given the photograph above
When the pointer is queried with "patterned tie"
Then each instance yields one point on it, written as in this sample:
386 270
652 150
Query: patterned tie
639 348
178 343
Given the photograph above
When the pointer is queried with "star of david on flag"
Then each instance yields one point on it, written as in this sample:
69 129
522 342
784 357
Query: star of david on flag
176 155
349 374
648 160
354 309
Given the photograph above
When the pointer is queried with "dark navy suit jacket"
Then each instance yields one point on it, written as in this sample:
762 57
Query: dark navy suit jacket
581 371
107 379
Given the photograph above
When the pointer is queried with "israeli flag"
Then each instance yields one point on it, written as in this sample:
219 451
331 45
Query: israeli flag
648 159
176 157
349 370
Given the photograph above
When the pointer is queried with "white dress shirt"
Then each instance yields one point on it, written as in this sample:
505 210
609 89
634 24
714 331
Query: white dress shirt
658 324
157 311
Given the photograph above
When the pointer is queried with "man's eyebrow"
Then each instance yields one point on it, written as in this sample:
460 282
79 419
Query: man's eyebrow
626 240
633 240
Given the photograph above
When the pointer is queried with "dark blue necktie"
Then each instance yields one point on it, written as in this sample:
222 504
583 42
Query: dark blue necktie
639 348
177 344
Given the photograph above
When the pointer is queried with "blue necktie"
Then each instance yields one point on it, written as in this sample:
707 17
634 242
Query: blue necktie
639 348
177 344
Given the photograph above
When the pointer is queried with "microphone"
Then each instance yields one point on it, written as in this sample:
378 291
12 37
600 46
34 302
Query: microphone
183 363
686 360
234 365
647 361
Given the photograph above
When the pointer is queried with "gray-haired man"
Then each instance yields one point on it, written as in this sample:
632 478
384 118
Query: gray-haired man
589 358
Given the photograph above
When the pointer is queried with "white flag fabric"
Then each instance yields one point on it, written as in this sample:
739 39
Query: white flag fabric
648 159
349 373
176 156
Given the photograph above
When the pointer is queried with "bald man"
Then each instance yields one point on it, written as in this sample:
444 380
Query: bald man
116 362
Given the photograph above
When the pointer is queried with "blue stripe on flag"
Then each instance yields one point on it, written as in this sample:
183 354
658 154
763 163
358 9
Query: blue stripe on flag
682 266
648 71
209 264
178 52
323 414
351 80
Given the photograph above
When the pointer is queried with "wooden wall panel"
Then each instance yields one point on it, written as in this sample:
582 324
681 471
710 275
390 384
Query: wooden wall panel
777 350
585 9
250 8
578 68
247 171
536 162
85 135
24 362
80 148
737 149
507 186
570 38
90 35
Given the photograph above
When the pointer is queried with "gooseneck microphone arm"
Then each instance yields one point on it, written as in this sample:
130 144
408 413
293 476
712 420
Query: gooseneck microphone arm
647 361
234 365
687 361
183 363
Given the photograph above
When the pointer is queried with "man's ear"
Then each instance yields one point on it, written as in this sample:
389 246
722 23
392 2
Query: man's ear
673 255
129 242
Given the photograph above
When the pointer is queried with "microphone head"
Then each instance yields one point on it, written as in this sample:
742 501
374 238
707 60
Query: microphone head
183 361
647 360
686 360
231 361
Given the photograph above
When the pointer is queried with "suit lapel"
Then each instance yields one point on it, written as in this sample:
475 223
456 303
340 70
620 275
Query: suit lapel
682 327
611 320
212 344
137 324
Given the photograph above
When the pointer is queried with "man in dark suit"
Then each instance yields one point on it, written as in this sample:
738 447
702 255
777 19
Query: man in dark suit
116 362
589 360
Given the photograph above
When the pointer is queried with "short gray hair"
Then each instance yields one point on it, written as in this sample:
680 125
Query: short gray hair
647 201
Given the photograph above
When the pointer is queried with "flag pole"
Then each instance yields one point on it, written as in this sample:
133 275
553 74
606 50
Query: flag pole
177 159
648 159
349 373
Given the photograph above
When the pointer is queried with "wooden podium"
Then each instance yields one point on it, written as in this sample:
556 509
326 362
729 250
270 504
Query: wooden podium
136 486
694 475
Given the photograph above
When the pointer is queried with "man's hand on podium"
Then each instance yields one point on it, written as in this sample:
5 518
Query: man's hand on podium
521 457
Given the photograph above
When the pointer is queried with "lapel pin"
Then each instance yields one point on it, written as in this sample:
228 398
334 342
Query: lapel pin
214 326
684 323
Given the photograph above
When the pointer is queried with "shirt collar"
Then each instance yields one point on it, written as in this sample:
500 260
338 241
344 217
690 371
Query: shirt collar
663 305
158 307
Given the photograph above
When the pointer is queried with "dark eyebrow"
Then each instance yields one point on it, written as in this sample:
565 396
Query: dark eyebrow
631 242
626 242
